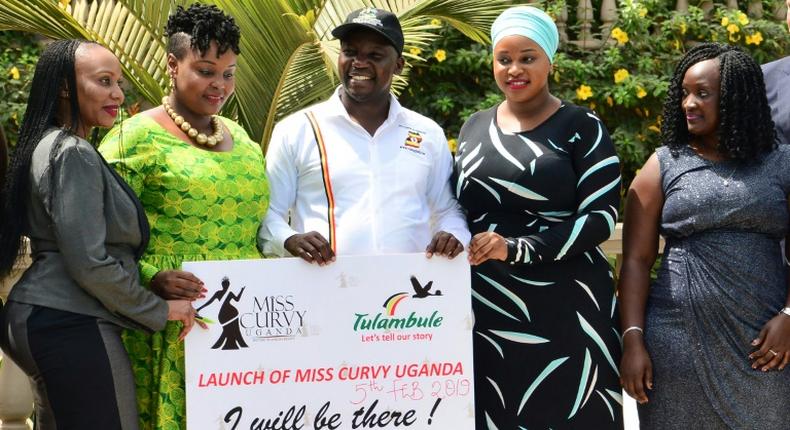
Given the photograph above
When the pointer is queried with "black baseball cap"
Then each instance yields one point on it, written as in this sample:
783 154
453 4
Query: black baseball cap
380 21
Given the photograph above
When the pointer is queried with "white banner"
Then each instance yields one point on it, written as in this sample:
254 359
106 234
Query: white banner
380 342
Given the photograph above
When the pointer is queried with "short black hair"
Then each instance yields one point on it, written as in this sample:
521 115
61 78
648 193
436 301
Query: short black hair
197 26
745 128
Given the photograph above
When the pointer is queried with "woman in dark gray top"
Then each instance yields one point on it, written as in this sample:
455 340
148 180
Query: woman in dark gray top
63 319
713 330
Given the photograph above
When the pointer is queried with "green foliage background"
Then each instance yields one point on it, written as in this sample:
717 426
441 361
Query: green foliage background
451 77
452 89
18 56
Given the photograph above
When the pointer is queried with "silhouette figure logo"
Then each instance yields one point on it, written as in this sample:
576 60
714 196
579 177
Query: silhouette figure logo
228 316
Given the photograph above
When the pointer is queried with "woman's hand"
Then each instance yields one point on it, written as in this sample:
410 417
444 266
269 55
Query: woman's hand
182 310
636 369
773 345
487 246
177 285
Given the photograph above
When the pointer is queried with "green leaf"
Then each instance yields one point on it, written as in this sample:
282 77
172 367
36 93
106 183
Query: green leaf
288 56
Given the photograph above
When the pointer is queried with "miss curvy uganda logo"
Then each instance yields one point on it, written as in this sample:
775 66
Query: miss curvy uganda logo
389 319
273 317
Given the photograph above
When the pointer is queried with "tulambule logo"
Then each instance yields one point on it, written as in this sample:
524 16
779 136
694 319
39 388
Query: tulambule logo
388 320
273 317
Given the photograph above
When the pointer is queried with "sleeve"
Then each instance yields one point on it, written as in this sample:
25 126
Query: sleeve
597 199
254 148
77 191
126 150
445 210
281 170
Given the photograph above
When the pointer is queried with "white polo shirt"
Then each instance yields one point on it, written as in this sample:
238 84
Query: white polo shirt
389 192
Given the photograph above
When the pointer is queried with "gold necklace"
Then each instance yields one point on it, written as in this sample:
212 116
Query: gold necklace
192 132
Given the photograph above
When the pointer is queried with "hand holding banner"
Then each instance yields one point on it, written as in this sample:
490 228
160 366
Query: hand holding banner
367 342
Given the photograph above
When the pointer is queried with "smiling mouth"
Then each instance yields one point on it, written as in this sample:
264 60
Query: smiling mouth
360 78
517 83
215 99
112 110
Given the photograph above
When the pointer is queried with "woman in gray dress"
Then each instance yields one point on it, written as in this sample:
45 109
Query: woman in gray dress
703 343
62 322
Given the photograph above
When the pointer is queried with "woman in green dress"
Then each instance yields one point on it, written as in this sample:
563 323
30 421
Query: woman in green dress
202 183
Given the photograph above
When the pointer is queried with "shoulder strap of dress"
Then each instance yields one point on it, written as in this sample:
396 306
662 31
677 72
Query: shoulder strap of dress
330 198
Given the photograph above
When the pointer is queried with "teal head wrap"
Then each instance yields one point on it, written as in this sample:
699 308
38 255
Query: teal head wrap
529 22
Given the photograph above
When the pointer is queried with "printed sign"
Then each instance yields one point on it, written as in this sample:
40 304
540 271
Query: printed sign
366 342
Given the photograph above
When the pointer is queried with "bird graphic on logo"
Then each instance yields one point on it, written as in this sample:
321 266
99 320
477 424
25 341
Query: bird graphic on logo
420 291
413 139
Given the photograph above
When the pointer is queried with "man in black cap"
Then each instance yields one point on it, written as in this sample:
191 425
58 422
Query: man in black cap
359 173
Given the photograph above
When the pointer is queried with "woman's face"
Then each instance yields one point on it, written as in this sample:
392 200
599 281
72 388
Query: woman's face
99 94
204 83
521 68
700 102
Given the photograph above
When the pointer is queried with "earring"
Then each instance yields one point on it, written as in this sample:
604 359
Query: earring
172 83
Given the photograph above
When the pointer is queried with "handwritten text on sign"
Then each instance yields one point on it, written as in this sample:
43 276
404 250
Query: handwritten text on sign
365 342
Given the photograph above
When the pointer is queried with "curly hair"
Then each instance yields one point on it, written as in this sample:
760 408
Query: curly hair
745 128
197 26
55 71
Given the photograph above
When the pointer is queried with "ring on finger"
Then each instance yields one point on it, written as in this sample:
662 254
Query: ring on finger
773 352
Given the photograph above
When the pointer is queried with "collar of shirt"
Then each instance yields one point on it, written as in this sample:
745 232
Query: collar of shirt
334 107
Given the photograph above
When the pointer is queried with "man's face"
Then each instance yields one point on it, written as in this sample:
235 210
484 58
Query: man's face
366 65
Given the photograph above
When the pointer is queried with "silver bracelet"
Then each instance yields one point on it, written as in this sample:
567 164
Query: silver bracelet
785 311
633 327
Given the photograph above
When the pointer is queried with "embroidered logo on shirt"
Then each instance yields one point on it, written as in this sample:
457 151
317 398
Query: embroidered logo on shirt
413 140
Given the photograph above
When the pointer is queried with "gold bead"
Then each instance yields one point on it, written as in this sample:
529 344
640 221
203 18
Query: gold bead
192 133
178 120
185 126
211 141
201 139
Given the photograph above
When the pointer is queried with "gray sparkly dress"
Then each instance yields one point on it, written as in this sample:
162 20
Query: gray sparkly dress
722 277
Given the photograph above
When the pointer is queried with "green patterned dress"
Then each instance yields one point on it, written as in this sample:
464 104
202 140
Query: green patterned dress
201 205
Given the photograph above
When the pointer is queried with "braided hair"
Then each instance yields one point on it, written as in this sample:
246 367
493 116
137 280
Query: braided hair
745 128
55 71
197 26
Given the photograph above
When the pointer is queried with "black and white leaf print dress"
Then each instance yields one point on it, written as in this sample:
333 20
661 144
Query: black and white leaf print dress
546 335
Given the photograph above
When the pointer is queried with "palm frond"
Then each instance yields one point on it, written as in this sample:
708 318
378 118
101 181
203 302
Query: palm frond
131 29
288 58
275 38
473 18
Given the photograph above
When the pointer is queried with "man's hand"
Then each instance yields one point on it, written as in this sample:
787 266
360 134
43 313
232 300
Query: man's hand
444 243
310 247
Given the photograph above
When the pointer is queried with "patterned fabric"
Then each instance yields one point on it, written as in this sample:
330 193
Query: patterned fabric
722 277
201 206
546 343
